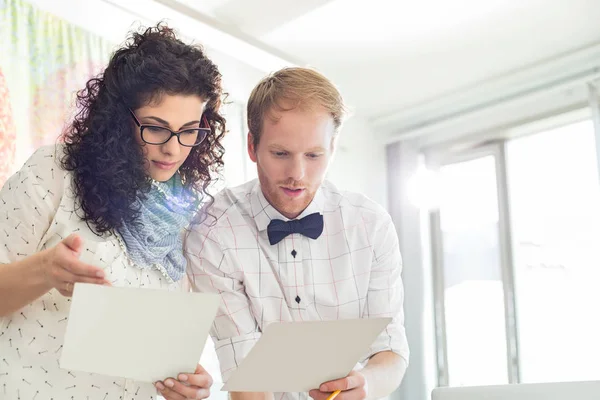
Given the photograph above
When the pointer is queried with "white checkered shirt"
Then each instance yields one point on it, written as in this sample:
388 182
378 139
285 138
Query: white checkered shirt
353 270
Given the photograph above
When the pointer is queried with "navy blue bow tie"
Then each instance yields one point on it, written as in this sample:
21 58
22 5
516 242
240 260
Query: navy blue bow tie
310 226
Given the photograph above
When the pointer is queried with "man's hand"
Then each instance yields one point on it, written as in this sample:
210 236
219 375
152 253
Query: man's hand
353 387
187 386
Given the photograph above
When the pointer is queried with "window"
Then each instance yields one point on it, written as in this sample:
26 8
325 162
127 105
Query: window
555 205
517 261
472 274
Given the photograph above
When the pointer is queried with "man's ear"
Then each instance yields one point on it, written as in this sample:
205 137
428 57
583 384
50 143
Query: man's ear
251 149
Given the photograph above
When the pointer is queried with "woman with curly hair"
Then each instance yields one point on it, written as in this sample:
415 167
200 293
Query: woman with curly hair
109 207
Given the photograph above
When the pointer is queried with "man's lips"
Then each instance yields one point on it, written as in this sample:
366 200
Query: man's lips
292 192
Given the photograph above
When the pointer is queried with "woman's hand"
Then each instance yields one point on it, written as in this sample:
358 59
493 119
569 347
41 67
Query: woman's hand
187 386
62 269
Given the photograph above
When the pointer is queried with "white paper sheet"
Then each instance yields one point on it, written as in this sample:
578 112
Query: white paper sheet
299 356
141 334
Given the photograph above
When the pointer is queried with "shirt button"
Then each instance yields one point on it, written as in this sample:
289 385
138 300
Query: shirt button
294 253
298 300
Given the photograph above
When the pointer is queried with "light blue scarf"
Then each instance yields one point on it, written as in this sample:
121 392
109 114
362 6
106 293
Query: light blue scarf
155 239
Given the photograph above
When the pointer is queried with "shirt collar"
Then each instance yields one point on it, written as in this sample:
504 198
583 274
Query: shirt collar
264 212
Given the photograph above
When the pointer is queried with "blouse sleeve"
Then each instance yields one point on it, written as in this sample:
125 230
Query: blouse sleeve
28 203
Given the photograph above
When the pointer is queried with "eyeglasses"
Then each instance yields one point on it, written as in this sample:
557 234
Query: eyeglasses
154 134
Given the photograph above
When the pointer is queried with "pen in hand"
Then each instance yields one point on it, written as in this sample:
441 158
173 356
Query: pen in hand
333 395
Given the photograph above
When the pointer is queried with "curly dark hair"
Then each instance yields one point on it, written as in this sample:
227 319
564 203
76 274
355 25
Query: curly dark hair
100 150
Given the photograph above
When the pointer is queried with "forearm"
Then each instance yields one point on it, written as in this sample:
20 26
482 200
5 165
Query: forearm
251 395
383 374
21 283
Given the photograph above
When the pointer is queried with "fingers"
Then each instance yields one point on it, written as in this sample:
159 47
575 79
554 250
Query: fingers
63 269
168 393
73 243
76 267
350 382
172 389
200 378
66 288
96 281
200 370
62 277
189 386
352 388
68 258
188 392
318 395
358 393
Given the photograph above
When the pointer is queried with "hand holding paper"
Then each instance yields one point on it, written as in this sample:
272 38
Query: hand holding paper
190 386
353 387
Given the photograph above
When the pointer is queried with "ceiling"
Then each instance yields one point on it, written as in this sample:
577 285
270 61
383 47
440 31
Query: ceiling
389 55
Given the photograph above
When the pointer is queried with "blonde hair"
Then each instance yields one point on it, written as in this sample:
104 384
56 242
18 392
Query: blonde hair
291 88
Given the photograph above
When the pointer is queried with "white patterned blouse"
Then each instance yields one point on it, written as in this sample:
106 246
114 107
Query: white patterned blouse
37 211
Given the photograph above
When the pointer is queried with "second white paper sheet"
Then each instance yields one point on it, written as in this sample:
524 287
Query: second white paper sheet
299 356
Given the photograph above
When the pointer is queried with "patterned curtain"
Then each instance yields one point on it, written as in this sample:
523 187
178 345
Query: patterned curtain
44 60
7 132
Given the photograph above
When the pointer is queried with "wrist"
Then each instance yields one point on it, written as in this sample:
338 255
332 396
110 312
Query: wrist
367 373
40 265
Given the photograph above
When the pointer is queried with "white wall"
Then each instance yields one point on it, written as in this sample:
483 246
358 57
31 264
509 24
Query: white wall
359 164
412 227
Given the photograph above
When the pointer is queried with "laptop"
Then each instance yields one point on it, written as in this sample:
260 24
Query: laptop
530 391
